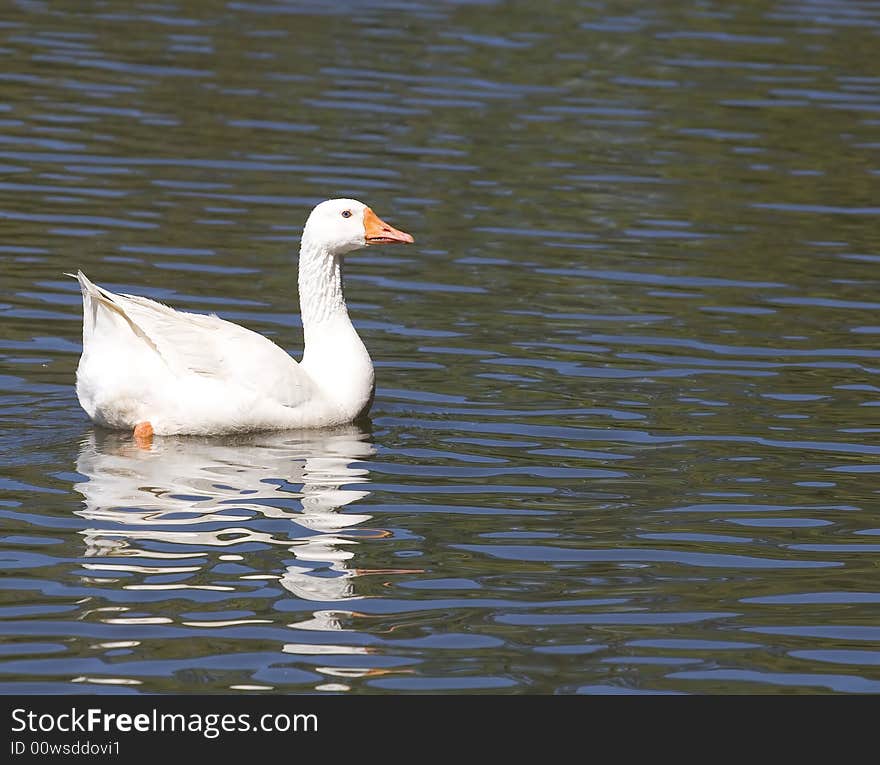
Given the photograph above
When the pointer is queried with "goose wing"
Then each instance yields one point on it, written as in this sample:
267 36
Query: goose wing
190 343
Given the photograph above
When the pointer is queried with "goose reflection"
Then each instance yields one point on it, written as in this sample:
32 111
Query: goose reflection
158 513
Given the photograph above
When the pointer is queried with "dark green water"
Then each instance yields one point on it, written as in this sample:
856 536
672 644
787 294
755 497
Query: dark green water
625 436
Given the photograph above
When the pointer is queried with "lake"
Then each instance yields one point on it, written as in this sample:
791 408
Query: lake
625 433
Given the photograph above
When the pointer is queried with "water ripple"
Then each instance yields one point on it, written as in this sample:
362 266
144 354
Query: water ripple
624 437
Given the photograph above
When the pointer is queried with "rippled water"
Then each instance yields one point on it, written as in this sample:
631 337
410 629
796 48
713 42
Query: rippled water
625 437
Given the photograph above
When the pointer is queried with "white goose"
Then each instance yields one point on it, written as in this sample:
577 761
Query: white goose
148 368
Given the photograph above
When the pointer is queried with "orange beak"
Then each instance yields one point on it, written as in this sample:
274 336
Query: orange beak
377 231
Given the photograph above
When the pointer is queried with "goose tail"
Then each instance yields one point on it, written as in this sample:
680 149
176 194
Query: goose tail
95 300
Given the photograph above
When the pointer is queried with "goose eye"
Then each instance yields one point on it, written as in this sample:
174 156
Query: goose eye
346 213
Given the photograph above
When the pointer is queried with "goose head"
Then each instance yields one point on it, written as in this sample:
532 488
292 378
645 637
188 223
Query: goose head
339 226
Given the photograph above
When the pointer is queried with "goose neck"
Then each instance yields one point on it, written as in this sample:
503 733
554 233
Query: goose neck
320 285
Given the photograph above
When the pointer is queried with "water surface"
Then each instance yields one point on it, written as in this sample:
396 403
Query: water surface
625 436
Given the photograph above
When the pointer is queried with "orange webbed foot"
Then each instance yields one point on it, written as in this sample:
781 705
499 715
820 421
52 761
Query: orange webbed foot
143 435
